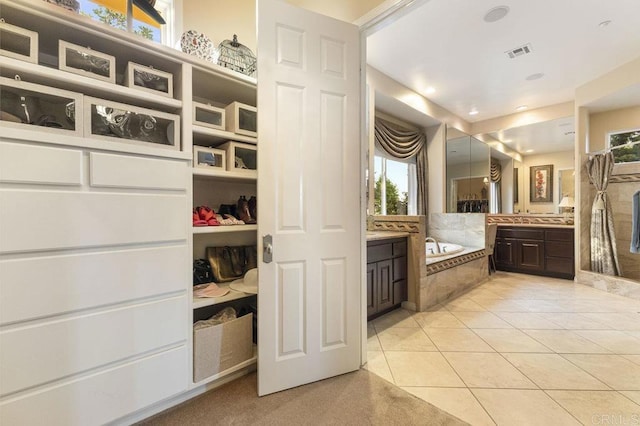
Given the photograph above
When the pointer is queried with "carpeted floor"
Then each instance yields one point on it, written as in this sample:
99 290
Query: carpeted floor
358 398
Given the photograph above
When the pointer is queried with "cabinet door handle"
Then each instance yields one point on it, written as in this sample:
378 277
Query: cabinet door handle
267 251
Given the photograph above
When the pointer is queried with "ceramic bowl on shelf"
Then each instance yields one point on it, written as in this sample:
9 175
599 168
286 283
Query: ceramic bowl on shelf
197 44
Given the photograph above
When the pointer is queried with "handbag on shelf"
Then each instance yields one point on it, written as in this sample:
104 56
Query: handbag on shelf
202 272
230 263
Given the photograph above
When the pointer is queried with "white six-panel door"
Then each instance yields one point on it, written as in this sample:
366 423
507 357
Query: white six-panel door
309 184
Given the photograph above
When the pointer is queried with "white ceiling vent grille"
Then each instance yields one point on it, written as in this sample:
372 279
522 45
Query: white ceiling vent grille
519 51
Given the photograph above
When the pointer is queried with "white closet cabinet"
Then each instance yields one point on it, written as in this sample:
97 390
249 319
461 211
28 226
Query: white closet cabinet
96 238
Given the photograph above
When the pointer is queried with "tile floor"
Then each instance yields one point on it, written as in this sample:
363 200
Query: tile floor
518 350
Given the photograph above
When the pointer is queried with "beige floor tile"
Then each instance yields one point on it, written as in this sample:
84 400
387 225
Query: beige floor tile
633 358
422 369
459 402
617 321
377 364
541 305
464 305
616 371
573 321
598 407
635 334
481 320
373 344
632 395
528 320
566 341
522 407
487 370
551 371
457 340
405 339
616 341
510 340
500 305
443 319
397 318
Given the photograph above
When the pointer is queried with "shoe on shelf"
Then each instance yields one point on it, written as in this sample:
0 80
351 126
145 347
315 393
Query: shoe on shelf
234 220
243 211
253 207
196 219
206 214
223 221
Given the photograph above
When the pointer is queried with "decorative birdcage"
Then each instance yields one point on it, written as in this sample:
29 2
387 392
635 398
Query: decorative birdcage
237 57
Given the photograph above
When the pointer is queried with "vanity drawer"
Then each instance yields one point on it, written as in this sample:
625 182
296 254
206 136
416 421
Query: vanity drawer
559 235
522 233
559 265
379 252
399 249
562 249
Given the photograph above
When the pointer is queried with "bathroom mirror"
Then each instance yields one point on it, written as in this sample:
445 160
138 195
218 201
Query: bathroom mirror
544 143
468 168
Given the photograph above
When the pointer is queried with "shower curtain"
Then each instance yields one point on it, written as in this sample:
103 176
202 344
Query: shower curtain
604 253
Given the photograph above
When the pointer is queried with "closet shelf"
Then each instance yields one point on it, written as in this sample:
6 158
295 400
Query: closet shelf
53 77
201 302
223 229
223 175
217 137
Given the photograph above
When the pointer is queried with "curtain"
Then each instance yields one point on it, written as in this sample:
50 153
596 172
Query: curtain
405 143
496 198
604 253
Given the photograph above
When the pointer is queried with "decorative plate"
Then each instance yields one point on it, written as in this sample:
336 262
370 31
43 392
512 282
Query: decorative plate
197 44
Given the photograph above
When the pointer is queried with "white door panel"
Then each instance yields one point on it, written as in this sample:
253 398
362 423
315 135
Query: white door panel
308 165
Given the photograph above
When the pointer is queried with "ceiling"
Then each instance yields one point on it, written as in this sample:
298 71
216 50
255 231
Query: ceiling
447 45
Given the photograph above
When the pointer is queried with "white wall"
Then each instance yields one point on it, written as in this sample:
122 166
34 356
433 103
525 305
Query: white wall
559 160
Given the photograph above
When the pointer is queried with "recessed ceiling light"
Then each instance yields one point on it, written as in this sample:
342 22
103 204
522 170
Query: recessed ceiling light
535 76
529 150
604 24
496 13
521 108
473 112
430 90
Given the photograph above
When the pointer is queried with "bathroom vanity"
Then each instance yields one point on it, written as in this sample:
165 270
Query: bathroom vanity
536 249
386 272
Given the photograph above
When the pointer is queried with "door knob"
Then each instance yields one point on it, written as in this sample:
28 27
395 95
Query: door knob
267 250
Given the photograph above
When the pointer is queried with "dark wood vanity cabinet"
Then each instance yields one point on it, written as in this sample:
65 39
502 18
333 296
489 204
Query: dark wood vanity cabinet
539 251
386 275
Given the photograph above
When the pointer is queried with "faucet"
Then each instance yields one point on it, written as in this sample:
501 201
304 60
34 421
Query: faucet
435 241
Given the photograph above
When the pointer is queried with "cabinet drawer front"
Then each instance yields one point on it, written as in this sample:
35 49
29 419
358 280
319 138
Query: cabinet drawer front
559 234
399 249
379 252
40 165
522 233
81 219
123 171
41 353
559 249
103 397
560 265
531 254
52 285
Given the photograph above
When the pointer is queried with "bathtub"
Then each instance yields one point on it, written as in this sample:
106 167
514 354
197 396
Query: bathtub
446 249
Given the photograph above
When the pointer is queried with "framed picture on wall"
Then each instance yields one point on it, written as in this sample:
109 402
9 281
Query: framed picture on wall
541 184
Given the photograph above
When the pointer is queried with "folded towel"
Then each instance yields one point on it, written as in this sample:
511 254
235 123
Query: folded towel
635 223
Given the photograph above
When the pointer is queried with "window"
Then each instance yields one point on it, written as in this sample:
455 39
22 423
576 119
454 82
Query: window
398 195
114 13
625 154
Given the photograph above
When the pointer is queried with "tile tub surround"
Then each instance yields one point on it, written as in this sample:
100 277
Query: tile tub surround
465 229
470 269
414 228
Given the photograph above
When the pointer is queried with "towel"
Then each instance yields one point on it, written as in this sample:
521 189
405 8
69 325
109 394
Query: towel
635 223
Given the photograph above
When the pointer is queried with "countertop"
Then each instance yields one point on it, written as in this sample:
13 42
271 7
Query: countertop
534 225
385 235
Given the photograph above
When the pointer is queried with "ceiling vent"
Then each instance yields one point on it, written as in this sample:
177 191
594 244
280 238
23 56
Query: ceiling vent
519 51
